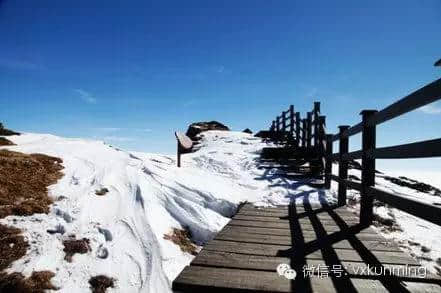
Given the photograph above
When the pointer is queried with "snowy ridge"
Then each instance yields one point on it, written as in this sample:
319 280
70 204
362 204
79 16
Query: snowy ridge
148 197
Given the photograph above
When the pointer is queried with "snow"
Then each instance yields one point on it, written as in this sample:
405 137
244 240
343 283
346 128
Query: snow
414 234
148 197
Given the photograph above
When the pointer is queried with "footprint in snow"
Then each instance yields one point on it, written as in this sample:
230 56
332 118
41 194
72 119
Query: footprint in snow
58 229
107 234
68 218
102 252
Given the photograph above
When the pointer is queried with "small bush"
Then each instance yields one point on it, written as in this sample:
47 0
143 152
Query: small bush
72 246
182 239
38 282
100 283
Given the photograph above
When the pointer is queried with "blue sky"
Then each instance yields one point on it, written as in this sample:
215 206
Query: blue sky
132 72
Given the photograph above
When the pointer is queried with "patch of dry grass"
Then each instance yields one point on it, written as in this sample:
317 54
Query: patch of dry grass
72 246
38 282
182 239
5 142
12 246
99 284
23 191
24 180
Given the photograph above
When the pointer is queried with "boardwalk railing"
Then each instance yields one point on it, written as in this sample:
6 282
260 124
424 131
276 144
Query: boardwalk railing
292 127
314 135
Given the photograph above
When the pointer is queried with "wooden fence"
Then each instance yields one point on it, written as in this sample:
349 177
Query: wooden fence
313 134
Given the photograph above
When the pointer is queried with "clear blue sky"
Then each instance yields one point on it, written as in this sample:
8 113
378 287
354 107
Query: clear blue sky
132 72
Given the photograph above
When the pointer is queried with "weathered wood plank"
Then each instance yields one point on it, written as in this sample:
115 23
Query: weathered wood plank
286 225
265 263
283 232
209 279
273 250
259 262
278 239
212 279
325 220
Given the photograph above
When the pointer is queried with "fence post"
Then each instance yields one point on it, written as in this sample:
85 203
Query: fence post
342 166
291 120
368 141
321 148
277 124
273 126
298 128
308 130
304 132
316 112
283 121
328 164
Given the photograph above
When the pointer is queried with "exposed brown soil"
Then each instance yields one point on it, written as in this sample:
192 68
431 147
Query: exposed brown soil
24 180
4 142
99 284
182 239
23 191
72 246
38 282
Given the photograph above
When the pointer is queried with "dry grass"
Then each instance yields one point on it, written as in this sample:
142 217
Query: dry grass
182 239
99 284
12 246
4 142
72 246
24 180
23 191
38 282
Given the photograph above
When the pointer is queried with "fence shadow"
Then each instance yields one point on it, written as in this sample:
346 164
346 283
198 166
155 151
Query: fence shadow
323 242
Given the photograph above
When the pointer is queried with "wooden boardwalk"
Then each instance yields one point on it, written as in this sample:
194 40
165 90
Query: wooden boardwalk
326 246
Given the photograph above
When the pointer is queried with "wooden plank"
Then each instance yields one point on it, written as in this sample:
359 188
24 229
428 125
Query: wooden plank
422 149
371 285
259 262
286 225
273 250
241 236
283 232
324 220
213 279
210 279
265 263
425 95
184 140
265 213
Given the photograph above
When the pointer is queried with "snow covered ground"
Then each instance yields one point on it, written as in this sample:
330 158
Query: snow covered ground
148 197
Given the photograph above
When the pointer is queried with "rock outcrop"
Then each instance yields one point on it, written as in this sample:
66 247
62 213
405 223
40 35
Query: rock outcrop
247 130
195 128
4 131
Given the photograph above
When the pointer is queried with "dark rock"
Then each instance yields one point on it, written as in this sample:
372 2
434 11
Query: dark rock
247 130
6 132
195 128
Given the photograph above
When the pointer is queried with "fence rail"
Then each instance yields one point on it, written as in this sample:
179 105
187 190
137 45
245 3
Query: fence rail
313 134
